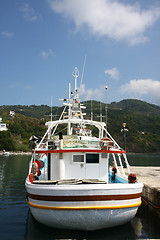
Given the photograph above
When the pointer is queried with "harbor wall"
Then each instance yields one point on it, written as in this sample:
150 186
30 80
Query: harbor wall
150 177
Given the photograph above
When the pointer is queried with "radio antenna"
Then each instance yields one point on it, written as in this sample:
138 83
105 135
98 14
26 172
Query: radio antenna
51 108
83 69
106 108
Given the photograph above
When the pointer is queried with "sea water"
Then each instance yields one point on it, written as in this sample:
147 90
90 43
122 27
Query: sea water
16 221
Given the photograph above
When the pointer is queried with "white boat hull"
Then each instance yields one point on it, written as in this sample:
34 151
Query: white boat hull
83 219
84 207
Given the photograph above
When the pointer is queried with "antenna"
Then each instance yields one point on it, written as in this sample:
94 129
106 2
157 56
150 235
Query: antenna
83 69
106 107
91 111
69 111
51 108
100 111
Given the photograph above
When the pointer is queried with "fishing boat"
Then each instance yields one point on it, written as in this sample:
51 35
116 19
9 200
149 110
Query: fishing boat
77 179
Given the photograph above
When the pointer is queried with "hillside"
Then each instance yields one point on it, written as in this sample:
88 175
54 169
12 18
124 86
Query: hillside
33 111
136 106
142 119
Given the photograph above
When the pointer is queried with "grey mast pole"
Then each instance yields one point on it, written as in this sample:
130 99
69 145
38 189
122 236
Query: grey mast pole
106 107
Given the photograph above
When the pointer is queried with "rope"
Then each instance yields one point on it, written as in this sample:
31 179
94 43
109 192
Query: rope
149 203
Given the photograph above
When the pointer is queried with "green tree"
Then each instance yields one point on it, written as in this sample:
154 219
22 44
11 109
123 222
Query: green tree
6 141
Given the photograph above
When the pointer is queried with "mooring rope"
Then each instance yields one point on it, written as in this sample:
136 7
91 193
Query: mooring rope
149 203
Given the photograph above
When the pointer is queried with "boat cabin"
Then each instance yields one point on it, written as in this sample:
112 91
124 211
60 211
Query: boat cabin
77 165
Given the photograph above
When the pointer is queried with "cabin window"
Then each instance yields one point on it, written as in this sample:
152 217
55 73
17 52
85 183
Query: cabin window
92 158
78 158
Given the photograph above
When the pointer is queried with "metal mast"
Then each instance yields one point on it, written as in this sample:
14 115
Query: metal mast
69 111
51 109
106 107
75 74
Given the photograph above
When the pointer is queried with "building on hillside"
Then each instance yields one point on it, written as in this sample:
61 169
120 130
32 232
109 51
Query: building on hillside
12 113
3 126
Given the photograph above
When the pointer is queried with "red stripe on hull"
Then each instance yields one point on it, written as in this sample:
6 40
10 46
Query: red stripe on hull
84 198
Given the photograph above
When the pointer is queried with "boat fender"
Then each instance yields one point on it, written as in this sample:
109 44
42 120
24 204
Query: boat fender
36 168
31 177
132 178
114 171
105 143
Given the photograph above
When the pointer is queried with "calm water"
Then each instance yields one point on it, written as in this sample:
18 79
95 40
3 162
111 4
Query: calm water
16 221
144 160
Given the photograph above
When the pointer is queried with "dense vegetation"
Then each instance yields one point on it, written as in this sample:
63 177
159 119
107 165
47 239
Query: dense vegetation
143 123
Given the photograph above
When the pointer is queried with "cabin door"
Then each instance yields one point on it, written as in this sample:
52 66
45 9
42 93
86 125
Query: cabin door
92 165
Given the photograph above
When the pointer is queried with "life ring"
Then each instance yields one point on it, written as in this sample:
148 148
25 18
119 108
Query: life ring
105 143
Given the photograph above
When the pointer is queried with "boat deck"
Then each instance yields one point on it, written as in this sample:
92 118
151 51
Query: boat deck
118 179
70 181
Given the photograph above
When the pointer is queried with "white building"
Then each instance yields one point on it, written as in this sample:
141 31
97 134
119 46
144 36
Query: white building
3 126
12 113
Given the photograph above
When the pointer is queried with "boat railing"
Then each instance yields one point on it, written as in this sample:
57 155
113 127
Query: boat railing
120 162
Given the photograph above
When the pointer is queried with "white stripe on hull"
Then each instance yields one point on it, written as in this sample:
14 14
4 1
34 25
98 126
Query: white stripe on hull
85 189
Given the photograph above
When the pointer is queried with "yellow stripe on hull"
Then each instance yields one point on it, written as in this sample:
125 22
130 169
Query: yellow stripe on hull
84 208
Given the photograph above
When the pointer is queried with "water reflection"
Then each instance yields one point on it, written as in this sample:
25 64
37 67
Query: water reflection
13 207
144 226
150 221
13 170
137 226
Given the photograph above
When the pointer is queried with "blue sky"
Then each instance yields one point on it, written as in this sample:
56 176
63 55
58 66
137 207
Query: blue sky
41 41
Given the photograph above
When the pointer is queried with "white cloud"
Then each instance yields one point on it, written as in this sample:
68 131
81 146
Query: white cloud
46 54
91 94
143 88
7 34
29 13
113 73
106 18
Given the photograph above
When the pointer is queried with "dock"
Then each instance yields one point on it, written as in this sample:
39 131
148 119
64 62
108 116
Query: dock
150 176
